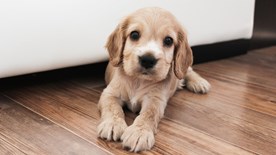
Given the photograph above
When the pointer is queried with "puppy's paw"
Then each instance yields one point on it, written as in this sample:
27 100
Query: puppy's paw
111 129
198 85
138 138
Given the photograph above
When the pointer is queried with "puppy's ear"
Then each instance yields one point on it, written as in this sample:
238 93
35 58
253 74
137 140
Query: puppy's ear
116 42
183 56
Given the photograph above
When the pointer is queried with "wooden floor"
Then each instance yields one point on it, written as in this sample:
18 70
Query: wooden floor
58 115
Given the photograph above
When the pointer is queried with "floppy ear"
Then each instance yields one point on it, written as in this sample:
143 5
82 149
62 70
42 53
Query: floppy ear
183 56
115 44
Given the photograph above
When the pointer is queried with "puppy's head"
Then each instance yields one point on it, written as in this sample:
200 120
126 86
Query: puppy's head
148 43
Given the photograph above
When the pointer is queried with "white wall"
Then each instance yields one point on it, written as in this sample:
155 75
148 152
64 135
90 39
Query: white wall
38 35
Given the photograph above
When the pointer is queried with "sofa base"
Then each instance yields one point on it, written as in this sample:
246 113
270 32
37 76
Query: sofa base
210 52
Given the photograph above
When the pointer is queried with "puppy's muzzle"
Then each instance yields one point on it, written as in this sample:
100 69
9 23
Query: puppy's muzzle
147 61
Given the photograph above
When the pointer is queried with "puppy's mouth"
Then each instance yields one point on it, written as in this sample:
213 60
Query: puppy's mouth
151 74
147 72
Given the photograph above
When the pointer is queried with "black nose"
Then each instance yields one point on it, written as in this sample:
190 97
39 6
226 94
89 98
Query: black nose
147 61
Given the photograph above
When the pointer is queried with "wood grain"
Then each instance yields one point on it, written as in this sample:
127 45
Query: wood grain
7 148
83 115
33 134
238 116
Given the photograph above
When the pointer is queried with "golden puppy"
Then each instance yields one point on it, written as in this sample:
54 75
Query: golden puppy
149 59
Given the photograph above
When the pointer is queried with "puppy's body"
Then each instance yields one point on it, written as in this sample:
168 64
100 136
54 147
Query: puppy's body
134 90
149 59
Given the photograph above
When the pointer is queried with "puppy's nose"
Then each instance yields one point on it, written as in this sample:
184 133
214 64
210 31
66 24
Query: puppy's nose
147 61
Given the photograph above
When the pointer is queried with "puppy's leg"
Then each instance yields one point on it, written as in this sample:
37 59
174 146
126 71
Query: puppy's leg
140 135
112 124
195 82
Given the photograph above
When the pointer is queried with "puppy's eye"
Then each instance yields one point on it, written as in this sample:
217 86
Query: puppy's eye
168 41
134 35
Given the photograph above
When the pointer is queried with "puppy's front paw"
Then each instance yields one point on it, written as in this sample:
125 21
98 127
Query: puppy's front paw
138 138
198 85
111 129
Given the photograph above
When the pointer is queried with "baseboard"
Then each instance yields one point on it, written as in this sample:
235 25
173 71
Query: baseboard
221 50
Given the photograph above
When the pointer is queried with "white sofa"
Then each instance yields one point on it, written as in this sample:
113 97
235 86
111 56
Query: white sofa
44 35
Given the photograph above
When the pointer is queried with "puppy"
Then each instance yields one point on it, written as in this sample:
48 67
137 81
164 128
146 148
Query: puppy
149 60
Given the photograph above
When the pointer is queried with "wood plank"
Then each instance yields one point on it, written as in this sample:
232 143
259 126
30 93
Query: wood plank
78 112
9 149
265 52
33 134
238 102
235 131
71 118
253 68
188 140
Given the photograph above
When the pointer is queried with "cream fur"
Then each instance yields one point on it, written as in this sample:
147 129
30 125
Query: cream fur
147 91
